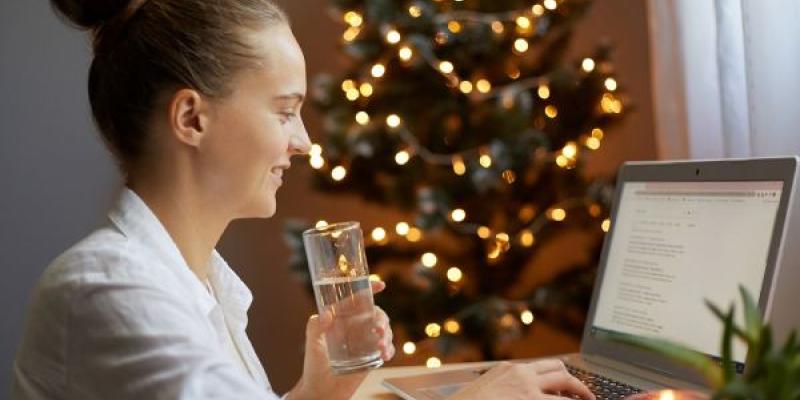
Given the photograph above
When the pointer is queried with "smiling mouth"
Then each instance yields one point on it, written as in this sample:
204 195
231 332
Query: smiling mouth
277 172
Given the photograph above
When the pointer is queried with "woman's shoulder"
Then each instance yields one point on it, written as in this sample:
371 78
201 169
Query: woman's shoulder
106 256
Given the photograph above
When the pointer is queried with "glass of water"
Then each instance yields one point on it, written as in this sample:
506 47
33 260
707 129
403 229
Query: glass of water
340 277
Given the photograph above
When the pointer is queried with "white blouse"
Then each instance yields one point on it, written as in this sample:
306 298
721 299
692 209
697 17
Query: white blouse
121 316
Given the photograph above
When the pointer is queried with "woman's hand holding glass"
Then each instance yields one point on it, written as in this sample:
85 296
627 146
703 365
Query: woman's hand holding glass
318 380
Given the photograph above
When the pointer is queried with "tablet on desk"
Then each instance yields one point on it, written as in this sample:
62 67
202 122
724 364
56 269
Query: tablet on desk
433 386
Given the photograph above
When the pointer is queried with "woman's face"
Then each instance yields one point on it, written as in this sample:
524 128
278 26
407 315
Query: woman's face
255 130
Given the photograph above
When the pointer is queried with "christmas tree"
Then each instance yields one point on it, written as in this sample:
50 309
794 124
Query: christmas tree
465 115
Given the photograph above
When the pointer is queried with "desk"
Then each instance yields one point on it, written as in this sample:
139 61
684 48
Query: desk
371 388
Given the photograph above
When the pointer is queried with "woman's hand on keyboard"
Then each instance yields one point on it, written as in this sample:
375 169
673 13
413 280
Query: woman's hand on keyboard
540 380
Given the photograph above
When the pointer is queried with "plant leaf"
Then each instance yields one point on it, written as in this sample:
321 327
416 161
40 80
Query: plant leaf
728 371
752 315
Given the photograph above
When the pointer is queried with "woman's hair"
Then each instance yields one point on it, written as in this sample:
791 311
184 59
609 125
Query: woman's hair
143 48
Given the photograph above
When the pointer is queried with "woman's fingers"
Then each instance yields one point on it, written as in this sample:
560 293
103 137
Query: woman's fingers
564 382
385 334
377 286
549 365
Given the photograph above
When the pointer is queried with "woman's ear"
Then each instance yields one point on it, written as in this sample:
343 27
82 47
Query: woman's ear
188 116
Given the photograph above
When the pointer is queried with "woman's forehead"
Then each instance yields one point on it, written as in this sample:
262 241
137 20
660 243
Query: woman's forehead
281 64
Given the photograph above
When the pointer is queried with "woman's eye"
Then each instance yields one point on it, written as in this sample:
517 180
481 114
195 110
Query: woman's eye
286 117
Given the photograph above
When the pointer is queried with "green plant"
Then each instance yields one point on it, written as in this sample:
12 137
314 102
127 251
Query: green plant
773 373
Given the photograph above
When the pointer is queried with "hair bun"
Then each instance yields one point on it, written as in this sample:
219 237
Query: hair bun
90 14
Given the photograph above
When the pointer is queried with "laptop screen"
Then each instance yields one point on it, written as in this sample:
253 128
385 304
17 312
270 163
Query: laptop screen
675 244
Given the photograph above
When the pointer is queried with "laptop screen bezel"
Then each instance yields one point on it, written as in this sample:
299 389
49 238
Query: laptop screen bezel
770 169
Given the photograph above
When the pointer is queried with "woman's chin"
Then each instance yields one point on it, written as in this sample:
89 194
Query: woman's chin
263 207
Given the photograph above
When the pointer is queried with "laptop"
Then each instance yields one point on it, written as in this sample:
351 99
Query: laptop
682 232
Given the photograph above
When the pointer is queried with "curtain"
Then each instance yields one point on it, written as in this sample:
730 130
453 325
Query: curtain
726 77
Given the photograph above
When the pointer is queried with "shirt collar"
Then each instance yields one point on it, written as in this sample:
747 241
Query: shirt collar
233 295
138 223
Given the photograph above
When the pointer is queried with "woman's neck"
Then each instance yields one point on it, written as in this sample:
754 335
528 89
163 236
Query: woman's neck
187 215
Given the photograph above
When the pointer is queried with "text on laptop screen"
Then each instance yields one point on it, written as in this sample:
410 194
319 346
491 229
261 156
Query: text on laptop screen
676 244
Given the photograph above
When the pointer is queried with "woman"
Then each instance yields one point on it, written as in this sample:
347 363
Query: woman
199 101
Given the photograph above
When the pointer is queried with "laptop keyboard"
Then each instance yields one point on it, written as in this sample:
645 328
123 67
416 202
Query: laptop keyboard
602 387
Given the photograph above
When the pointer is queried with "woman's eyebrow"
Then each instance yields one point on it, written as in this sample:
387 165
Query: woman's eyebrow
291 96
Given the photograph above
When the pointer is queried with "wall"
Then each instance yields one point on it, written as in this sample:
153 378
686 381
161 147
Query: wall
57 180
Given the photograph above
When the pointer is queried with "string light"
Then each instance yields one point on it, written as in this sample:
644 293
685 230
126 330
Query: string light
502 237
452 326
454 274
440 38
557 214
401 228
483 86
550 4
458 215
405 53
316 162
498 27
433 362
402 157
352 94
562 161
526 317
393 121
483 232
611 84
458 165
513 72
537 10
551 111
362 117
526 238
321 224
393 36
351 33
353 18
433 329
378 234
446 67
415 11
316 150
348 84
543 91
597 133
378 70
606 225
569 150
454 26
465 87
507 321
523 22
610 104
509 176
587 64
593 143
338 173
595 210
366 89
521 45
375 278
429 260
409 348
485 160
414 235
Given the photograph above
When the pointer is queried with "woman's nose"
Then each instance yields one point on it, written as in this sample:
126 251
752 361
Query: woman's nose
300 143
